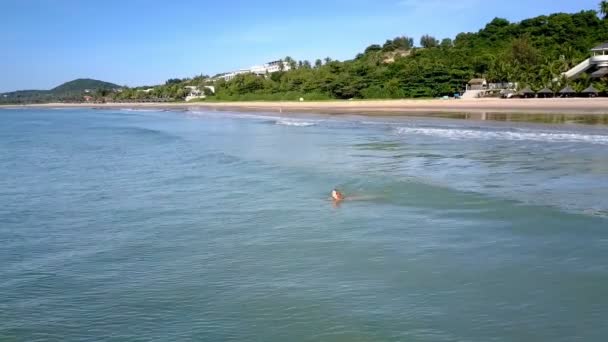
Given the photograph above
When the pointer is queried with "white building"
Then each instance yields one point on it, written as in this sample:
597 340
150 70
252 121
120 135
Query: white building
230 75
275 66
260 70
195 92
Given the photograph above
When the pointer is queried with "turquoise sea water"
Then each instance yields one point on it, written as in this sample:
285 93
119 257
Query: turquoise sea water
129 225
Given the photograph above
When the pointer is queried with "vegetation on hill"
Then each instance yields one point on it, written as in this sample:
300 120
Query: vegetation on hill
82 84
72 91
533 52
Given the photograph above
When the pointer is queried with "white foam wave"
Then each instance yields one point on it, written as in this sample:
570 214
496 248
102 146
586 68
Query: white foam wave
295 123
463 134
139 110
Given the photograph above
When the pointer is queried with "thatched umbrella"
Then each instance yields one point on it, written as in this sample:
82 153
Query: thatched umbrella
545 92
567 92
527 92
591 91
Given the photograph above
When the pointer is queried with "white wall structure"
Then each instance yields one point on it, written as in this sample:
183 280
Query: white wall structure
196 93
260 70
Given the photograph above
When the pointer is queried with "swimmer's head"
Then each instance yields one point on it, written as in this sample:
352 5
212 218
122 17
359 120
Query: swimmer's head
336 195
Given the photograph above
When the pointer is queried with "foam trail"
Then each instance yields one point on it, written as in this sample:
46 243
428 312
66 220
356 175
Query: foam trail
139 110
463 134
295 123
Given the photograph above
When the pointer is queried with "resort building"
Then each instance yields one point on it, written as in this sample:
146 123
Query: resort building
230 75
260 70
596 65
194 92
477 84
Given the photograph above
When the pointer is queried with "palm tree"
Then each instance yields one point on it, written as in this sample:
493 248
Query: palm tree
604 9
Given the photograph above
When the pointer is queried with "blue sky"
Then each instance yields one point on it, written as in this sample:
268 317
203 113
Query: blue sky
133 42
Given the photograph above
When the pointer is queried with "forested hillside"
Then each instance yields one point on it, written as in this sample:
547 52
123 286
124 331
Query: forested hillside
69 91
532 52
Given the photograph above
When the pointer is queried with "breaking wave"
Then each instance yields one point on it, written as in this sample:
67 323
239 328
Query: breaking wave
463 134
295 123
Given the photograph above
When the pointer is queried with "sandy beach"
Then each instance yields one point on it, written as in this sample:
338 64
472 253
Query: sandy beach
377 107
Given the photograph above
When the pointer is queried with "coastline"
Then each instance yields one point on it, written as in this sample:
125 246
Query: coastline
375 107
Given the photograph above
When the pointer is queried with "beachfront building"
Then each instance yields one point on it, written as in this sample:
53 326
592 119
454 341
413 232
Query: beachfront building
193 92
260 70
503 86
477 84
475 88
596 65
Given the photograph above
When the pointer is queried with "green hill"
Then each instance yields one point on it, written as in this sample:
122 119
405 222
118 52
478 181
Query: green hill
69 91
82 84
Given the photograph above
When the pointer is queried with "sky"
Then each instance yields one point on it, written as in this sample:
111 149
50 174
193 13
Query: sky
44 43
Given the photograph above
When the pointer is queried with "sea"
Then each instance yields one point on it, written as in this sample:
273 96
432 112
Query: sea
194 225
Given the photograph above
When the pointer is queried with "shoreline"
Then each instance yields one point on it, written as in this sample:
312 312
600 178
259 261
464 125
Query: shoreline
373 107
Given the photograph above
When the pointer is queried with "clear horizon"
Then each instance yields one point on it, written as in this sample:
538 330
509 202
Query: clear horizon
146 43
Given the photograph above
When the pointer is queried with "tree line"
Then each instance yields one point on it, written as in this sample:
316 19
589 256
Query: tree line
534 53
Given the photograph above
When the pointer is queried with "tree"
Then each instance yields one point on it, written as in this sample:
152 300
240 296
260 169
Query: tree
372 48
318 63
447 43
523 52
604 9
428 41
207 91
102 92
388 46
307 65
403 42
173 81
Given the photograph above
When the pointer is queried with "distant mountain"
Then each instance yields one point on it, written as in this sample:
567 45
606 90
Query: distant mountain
82 84
69 91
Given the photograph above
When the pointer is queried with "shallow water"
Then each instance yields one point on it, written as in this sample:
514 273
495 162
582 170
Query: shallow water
145 225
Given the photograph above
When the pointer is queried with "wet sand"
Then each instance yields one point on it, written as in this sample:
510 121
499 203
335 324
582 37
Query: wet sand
376 107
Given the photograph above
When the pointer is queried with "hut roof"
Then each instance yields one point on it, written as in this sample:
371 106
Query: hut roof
477 81
590 90
545 91
567 90
601 47
527 90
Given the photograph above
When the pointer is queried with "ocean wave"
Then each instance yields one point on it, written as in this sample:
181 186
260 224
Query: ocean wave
139 110
542 136
295 123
